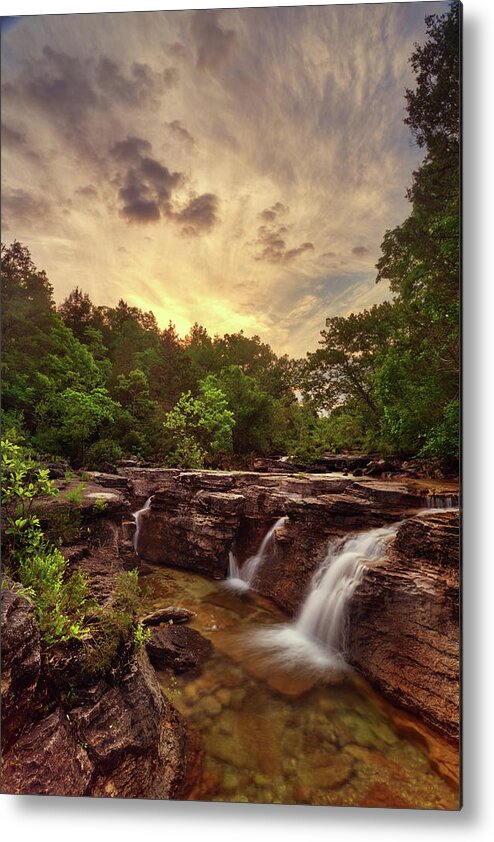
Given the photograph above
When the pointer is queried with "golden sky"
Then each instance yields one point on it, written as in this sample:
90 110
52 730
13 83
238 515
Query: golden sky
237 168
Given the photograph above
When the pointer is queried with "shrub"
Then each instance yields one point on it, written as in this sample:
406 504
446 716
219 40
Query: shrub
74 495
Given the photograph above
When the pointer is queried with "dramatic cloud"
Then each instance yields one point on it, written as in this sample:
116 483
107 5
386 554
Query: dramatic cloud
199 216
237 168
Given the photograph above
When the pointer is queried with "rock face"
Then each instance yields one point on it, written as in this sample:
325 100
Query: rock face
197 517
21 663
404 621
122 739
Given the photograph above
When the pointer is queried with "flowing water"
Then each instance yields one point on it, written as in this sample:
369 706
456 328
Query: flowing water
286 733
137 518
242 579
316 638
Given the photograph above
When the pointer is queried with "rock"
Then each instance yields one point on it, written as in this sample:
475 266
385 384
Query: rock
21 663
178 648
404 621
164 615
47 759
108 480
381 466
134 736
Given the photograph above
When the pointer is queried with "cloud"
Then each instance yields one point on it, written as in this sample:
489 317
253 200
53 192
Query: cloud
213 44
12 137
22 207
147 191
199 216
360 251
132 90
88 191
271 237
180 132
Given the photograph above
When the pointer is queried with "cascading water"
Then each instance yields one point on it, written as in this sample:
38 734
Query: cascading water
241 579
316 637
442 501
137 518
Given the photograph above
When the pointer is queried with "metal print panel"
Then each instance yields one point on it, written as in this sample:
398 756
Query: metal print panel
230 416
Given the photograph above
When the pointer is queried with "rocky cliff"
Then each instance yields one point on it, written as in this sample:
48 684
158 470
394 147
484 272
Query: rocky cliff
404 621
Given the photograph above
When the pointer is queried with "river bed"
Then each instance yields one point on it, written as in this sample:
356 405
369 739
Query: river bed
278 734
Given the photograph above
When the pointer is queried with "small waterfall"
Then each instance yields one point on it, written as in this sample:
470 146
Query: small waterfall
241 579
137 518
442 501
316 638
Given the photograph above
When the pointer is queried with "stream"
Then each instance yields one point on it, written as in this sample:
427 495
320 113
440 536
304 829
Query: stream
274 732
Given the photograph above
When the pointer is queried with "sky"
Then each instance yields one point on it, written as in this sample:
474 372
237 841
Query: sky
236 168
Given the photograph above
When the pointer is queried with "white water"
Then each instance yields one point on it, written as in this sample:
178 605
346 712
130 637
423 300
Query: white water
241 579
316 638
137 518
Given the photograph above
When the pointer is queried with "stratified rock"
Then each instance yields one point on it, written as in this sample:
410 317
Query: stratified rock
166 615
21 662
47 759
404 621
178 648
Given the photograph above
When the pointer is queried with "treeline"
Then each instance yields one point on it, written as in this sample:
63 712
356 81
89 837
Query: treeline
97 383
393 370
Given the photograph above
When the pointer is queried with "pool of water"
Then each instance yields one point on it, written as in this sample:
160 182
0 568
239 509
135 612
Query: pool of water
273 732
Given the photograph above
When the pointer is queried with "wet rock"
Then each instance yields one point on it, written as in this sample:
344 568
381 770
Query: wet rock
404 621
21 662
178 648
167 615
47 759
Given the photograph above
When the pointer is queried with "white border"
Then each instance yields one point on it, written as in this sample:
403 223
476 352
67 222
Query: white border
54 819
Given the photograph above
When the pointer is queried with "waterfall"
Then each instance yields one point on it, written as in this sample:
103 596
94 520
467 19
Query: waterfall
442 501
137 518
241 579
316 637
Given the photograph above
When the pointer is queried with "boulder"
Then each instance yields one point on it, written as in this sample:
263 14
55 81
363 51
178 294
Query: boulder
177 647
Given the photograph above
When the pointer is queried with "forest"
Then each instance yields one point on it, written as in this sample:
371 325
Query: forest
94 384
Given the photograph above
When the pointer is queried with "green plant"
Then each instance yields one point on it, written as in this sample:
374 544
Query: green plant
75 495
68 475
141 636
100 505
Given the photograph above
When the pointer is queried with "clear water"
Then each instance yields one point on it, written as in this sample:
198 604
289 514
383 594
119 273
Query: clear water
279 733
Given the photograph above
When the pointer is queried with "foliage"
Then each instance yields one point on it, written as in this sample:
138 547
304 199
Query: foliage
114 626
39 567
75 495
200 425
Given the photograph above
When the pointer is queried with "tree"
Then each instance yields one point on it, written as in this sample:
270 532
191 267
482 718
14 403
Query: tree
82 414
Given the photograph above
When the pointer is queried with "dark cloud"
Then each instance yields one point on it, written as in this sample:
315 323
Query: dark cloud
132 90
130 149
160 177
199 216
20 206
12 137
329 254
146 191
360 251
180 131
272 213
213 44
57 83
273 245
